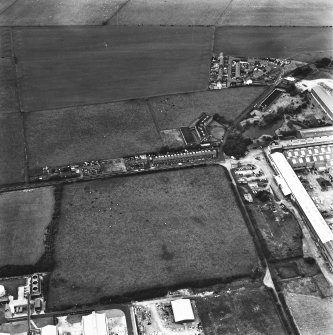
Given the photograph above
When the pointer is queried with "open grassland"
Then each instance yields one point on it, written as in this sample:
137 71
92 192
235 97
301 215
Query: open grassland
24 216
78 134
247 309
300 43
278 13
180 110
57 12
68 66
142 232
169 12
312 314
11 149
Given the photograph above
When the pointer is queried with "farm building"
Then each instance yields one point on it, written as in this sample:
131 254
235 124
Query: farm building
95 324
324 99
320 230
182 310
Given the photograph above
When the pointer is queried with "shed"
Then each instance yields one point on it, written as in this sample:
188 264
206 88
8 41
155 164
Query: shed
95 324
182 310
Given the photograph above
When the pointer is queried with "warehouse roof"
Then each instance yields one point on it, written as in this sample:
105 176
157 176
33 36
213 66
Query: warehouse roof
304 201
182 310
316 132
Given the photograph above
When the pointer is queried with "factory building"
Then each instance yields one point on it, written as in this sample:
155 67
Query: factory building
324 99
319 157
315 132
322 234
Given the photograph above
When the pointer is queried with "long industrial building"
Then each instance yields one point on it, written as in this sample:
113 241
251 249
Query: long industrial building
321 232
324 99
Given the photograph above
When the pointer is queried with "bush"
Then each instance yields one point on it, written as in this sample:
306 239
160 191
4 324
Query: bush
324 62
236 145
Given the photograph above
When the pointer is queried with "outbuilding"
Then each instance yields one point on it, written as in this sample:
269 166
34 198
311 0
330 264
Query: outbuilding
182 310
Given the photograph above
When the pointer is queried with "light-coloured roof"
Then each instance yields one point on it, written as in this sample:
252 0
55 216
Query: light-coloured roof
49 330
325 98
305 202
182 310
94 324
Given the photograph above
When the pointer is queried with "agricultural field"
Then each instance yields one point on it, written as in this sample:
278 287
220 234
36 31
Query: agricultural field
171 12
300 43
246 309
180 110
278 13
11 149
23 220
148 231
78 134
67 66
57 12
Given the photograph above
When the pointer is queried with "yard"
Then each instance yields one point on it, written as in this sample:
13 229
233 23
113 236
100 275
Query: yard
24 216
279 231
239 309
126 235
67 66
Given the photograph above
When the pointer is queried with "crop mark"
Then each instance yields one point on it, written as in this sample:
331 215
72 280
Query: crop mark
224 12
11 5
115 14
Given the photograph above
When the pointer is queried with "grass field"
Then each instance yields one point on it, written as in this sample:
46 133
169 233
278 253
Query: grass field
67 66
78 134
278 13
300 43
168 12
146 231
11 149
23 220
247 309
57 12
316 318
180 110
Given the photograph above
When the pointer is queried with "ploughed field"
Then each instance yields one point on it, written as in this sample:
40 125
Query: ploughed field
66 66
130 234
57 12
300 43
24 216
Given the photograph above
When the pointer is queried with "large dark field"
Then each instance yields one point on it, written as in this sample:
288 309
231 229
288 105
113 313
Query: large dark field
300 43
11 149
135 233
68 66
78 134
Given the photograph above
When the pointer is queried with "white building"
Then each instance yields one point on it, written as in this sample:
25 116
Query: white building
182 310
